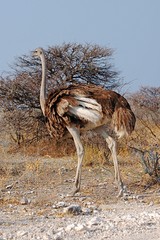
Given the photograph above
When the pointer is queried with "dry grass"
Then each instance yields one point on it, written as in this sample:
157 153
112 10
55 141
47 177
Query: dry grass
43 179
38 169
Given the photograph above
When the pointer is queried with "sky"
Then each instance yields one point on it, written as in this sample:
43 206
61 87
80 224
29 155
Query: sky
130 27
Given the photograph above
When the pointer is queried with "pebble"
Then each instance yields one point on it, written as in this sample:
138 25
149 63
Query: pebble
73 209
59 205
70 227
10 186
94 221
80 227
22 233
24 201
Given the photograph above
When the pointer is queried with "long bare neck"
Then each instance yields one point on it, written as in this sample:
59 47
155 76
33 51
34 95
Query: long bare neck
43 84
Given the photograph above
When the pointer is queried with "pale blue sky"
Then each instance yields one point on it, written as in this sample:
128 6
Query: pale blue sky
130 27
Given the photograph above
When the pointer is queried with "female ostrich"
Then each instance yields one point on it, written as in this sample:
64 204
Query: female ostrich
82 107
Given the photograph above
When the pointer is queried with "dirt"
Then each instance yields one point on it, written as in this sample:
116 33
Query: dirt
35 192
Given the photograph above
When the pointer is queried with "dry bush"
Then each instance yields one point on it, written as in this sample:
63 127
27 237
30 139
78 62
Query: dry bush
146 138
146 105
94 155
48 147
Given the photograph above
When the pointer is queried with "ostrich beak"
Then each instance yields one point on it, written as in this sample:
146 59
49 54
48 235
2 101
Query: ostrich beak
33 53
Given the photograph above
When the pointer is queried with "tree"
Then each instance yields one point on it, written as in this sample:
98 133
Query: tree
66 64
146 103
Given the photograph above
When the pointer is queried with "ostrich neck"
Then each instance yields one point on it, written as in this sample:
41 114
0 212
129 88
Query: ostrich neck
43 85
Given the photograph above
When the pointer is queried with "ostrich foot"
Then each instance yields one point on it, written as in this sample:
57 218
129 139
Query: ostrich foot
122 191
74 191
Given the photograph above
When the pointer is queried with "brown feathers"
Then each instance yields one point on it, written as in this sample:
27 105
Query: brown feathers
83 105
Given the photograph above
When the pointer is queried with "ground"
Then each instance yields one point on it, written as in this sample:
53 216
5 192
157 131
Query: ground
35 193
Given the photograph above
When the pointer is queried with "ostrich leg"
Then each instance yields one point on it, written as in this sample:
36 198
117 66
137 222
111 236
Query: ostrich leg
80 153
112 147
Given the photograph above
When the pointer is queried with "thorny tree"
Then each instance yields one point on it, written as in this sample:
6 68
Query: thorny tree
66 64
146 103
147 107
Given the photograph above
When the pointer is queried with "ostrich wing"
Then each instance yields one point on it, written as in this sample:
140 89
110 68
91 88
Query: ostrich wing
79 107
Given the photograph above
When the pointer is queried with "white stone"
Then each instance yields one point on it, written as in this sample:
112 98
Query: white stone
86 211
70 227
24 201
58 236
61 204
80 227
22 233
94 221
9 186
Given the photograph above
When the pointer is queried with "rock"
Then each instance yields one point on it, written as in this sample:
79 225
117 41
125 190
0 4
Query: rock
22 233
60 205
70 227
87 211
73 209
10 186
58 236
80 227
94 221
25 201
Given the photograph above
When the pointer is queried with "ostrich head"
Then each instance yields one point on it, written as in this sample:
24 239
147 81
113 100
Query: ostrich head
38 52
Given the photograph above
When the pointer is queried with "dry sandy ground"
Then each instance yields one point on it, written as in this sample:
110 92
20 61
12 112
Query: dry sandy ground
34 202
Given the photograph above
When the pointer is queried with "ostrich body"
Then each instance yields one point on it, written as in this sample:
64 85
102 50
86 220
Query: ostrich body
82 107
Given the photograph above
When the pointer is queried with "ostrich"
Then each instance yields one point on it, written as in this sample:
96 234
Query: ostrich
82 107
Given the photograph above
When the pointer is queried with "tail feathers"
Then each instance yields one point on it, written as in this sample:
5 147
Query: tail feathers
123 120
